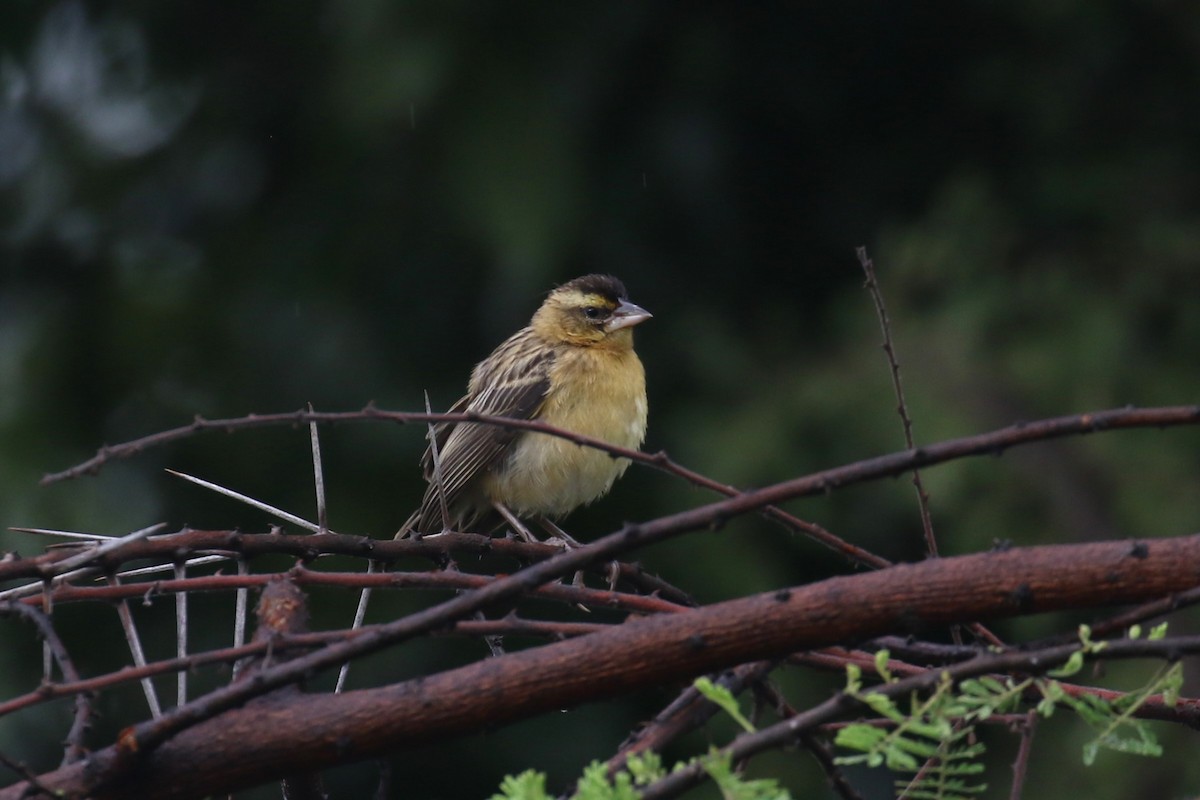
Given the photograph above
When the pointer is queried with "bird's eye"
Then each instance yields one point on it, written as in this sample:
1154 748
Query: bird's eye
594 312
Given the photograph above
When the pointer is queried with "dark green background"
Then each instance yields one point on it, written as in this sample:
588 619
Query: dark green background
226 208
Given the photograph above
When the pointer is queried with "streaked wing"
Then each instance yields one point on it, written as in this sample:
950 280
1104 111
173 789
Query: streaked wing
512 382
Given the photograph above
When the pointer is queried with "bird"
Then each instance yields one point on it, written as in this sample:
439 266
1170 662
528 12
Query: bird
572 367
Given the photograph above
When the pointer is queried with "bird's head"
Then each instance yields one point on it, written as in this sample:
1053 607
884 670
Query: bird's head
591 311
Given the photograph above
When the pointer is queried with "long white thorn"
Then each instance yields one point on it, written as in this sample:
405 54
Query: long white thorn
250 501
181 635
135 647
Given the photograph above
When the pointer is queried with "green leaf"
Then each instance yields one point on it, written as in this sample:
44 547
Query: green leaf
853 679
1073 665
645 767
901 761
725 699
529 785
1172 685
918 747
858 736
881 662
882 704
594 785
735 787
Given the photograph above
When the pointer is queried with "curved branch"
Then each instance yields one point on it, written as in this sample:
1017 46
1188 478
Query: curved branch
993 443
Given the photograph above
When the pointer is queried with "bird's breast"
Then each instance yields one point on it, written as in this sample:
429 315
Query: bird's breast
601 394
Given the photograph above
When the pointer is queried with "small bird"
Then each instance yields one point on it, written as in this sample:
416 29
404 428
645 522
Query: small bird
572 367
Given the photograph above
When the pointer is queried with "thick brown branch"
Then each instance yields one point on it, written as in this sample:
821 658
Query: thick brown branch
508 626
242 748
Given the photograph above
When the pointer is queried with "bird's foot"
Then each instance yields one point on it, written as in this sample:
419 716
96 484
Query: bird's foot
517 526
557 534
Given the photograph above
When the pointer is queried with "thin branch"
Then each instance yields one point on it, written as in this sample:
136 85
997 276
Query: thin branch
824 757
440 579
1021 764
1120 623
820 751
37 788
687 712
82 719
310 547
993 443
872 286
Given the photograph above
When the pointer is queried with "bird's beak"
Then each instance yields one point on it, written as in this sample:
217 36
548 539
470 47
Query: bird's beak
626 315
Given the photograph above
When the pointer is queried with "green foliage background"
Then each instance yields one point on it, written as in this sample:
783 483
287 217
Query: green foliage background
226 208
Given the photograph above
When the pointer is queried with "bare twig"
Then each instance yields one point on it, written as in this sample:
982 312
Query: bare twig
439 579
1119 623
82 720
687 712
993 443
1021 764
889 348
767 692
825 759
309 547
38 788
